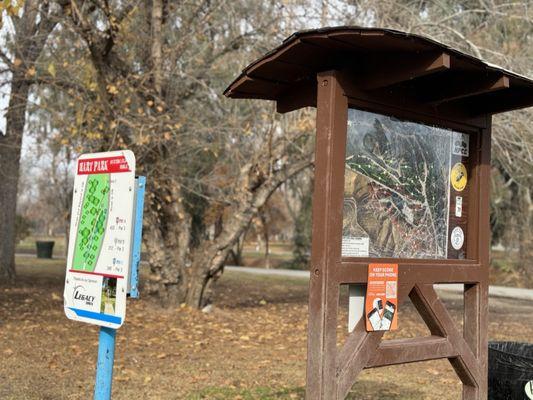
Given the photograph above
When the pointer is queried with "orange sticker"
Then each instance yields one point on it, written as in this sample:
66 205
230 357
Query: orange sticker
381 304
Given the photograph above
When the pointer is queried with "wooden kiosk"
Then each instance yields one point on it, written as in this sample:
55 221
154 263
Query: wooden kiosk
402 175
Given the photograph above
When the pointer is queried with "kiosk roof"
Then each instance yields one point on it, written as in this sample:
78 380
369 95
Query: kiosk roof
382 61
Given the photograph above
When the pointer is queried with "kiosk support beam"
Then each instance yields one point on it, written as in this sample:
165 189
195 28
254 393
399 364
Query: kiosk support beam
382 75
472 89
323 290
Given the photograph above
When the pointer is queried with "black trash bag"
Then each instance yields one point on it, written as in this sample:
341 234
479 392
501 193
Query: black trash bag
510 370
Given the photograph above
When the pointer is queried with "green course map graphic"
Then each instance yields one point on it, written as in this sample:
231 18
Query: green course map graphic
92 222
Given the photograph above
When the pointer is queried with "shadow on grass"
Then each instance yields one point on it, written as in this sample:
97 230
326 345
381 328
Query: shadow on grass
367 390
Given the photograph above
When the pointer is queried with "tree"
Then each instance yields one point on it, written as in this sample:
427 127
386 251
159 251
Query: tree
149 76
26 41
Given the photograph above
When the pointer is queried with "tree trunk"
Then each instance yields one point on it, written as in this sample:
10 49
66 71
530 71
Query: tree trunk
10 147
31 32
156 52
182 274
266 238
525 233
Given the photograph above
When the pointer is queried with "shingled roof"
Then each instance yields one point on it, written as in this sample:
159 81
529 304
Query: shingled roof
383 59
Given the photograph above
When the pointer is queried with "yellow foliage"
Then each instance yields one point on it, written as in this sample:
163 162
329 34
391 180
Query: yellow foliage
143 139
112 89
31 71
11 7
52 69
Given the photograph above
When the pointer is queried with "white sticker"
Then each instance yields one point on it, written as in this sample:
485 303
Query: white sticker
528 389
460 145
457 238
458 206
355 246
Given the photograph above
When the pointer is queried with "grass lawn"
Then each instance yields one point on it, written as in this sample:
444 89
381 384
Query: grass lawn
251 346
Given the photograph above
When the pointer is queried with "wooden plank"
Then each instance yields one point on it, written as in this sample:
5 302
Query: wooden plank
440 322
302 95
316 57
514 98
390 71
262 87
453 92
423 305
400 351
414 271
363 344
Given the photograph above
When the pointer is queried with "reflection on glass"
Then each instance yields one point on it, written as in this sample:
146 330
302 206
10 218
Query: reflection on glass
396 189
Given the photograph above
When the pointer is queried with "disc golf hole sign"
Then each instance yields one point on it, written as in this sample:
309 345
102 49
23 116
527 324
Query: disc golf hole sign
101 229
402 176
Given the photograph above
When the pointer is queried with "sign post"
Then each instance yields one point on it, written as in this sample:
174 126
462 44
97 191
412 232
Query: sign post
104 364
104 250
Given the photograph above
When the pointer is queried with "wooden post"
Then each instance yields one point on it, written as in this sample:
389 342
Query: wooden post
331 122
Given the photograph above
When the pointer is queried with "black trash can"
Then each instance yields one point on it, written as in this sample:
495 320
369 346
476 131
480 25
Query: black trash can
45 249
510 371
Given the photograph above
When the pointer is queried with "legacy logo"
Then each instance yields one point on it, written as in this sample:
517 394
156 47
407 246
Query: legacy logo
79 295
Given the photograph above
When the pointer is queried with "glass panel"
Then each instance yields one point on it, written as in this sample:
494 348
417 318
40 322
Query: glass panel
398 191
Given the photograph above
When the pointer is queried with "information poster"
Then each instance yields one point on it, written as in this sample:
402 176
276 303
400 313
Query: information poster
405 189
100 238
381 304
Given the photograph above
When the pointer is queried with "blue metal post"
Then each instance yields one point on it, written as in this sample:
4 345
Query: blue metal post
140 183
104 365
106 342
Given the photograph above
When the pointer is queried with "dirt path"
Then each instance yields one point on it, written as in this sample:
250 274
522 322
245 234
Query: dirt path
252 346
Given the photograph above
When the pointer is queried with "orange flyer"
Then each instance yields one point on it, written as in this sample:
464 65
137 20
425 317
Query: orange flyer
381 304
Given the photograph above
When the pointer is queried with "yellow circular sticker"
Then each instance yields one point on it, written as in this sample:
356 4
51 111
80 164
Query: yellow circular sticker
458 177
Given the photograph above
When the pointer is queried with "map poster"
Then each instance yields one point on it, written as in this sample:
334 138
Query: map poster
101 229
405 189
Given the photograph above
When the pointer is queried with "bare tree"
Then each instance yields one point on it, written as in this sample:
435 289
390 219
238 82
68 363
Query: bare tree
30 32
